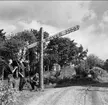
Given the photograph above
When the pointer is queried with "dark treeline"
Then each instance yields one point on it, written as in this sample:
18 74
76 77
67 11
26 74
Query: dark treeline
62 51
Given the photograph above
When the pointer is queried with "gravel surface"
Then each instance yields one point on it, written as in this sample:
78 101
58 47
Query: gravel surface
75 95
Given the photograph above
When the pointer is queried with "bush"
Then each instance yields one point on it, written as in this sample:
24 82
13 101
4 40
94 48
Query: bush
82 69
97 72
51 77
67 72
94 61
64 80
8 95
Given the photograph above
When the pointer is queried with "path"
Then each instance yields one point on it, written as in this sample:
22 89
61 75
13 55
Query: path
75 95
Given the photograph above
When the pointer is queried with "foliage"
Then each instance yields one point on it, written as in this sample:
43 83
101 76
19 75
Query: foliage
67 72
8 95
9 48
64 51
93 60
88 65
96 72
106 65
79 54
2 35
51 77
57 51
64 81
13 47
25 36
82 68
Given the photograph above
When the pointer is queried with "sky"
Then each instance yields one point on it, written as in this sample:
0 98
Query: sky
55 16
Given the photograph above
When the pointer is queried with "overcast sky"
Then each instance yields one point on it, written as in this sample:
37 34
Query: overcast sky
53 16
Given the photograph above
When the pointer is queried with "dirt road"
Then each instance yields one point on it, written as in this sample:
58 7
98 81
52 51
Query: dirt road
75 95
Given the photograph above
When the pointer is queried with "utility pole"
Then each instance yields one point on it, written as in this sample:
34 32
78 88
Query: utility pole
41 78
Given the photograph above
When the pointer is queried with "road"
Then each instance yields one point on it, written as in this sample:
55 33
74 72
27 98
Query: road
75 95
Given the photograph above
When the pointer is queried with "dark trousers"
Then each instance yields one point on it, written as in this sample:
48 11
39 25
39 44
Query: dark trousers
21 83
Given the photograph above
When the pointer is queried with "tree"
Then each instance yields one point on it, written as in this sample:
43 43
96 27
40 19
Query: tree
58 50
72 51
63 51
77 53
4 54
9 48
21 39
82 68
94 61
97 72
2 35
106 65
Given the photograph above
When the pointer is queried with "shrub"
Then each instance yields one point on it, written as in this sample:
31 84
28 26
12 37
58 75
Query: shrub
94 61
82 69
51 77
64 80
97 72
8 95
67 72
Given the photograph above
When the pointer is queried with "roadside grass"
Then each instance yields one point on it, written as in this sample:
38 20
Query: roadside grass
26 96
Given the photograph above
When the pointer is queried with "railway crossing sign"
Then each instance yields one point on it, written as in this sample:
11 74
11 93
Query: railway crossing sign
62 33
59 34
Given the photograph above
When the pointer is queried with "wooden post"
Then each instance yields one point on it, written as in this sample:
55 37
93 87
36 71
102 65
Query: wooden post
41 79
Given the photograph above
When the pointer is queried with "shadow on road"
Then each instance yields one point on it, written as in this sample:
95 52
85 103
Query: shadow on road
82 82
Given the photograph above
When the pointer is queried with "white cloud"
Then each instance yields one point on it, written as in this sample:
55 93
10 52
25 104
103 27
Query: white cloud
103 24
36 25
83 36
90 15
105 16
99 46
54 13
8 28
95 44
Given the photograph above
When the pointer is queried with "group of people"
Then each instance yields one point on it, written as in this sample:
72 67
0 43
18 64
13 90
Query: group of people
23 70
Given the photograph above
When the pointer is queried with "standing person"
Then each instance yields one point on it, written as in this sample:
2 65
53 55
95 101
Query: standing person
14 65
21 75
24 74
21 82
10 68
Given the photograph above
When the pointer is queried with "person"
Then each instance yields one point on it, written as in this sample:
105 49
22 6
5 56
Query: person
34 81
23 73
21 82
